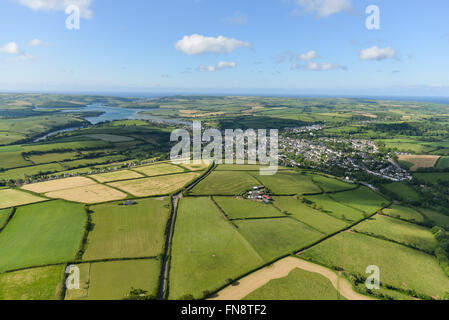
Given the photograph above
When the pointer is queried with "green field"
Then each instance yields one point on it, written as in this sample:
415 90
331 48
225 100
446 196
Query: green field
403 191
238 208
400 267
432 177
438 218
404 213
443 163
40 234
298 285
331 184
288 183
127 231
32 284
113 280
22 173
14 198
13 160
362 199
404 232
4 214
243 167
52 157
225 183
159 169
336 209
316 219
274 238
206 251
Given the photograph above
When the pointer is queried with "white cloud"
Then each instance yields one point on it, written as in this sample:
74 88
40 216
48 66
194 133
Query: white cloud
220 66
323 8
37 43
59 5
376 53
314 66
196 44
10 48
309 55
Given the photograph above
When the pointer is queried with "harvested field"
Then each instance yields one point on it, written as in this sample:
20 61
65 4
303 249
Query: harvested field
12 198
420 161
156 185
96 193
159 169
59 184
116 176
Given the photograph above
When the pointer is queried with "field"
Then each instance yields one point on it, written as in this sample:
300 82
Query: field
404 213
14 198
362 199
225 183
443 163
13 160
41 234
438 218
432 177
95 193
403 191
420 161
298 285
116 176
238 208
273 238
404 232
331 184
59 184
159 169
155 185
316 219
32 284
195 167
127 231
243 167
4 214
401 267
289 183
336 209
23 173
113 280
205 242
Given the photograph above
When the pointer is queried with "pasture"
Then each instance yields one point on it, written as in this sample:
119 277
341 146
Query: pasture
404 232
316 219
128 231
225 183
402 191
420 161
401 267
206 250
13 160
90 194
155 185
32 284
336 209
331 184
13 198
243 167
288 183
239 208
159 169
436 217
273 238
404 213
116 176
432 177
443 163
4 215
362 199
23 173
42 233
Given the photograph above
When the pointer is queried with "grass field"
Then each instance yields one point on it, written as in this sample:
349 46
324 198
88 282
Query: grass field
238 208
110 137
4 214
206 251
243 167
288 183
362 199
13 198
400 231
336 209
23 173
400 266
318 220
273 238
95 193
13 160
438 218
41 234
432 177
59 184
52 157
331 184
159 169
156 185
405 213
113 280
420 161
32 284
443 163
403 191
298 285
116 176
225 183
195 167
128 231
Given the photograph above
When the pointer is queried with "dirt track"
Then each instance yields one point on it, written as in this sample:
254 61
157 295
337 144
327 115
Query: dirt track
281 269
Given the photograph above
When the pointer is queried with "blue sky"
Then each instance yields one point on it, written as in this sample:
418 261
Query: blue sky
306 47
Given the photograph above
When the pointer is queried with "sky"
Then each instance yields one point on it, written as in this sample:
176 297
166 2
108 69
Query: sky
291 47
